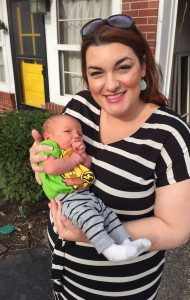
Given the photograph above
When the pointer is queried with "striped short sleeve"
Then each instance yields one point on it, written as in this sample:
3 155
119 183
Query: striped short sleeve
173 164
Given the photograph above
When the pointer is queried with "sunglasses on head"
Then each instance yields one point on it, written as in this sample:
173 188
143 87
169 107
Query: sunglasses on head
117 21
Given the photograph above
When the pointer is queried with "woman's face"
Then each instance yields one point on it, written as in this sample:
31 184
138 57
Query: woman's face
114 76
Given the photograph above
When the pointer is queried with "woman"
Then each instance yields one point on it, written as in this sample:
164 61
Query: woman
140 158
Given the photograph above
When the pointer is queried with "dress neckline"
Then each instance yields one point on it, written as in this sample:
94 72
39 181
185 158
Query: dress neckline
132 135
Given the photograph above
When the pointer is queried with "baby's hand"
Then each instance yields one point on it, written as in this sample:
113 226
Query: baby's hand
77 158
78 147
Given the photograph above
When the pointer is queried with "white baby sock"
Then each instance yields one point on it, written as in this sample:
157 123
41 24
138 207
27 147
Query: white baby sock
118 253
141 244
128 250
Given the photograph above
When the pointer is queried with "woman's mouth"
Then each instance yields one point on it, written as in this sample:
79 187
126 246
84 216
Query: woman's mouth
115 98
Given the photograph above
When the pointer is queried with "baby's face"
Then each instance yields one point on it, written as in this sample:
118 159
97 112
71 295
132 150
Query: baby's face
65 131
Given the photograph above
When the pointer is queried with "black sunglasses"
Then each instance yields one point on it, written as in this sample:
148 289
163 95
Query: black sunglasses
117 21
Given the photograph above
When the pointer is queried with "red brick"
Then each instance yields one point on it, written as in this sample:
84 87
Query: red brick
152 44
52 107
139 5
129 1
126 6
153 50
152 20
151 36
132 13
153 4
148 12
141 21
147 28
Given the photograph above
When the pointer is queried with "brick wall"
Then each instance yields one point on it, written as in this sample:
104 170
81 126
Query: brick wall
7 101
145 14
52 107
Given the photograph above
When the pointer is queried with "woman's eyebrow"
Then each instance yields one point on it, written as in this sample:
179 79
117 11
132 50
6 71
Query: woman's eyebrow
94 67
122 60
116 64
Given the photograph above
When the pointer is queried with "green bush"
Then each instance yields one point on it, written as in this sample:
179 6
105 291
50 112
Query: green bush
17 180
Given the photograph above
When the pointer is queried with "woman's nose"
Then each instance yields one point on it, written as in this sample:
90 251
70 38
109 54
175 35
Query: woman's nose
112 84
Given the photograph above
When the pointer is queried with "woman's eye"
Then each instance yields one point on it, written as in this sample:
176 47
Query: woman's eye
124 67
95 74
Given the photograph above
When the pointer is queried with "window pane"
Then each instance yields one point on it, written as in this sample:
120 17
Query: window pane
2 70
73 83
73 14
70 72
184 77
27 29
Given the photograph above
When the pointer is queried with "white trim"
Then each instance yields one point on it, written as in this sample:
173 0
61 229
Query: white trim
64 47
53 48
166 27
8 85
116 7
52 54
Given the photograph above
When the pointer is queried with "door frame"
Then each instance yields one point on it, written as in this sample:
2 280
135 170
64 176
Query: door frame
166 29
18 92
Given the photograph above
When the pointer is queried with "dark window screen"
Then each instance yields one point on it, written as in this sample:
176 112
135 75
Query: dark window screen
27 30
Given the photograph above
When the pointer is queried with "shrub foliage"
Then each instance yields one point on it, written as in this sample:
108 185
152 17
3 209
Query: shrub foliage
17 180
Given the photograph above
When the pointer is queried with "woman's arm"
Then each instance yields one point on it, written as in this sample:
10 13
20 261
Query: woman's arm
170 227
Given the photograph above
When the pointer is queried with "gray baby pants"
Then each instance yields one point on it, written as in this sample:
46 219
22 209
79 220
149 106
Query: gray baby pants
100 224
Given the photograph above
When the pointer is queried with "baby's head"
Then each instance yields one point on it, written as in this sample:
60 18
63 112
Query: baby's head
63 130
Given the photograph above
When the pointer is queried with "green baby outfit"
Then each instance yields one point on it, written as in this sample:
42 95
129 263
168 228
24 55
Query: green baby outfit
79 178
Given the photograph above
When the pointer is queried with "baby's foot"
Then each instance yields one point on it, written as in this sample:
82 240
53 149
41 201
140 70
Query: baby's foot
141 244
118 253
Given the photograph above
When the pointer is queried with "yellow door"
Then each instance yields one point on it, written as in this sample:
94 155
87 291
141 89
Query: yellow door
32 84
29 49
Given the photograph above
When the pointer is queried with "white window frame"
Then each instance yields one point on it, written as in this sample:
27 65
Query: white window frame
166 28
53 49
8 85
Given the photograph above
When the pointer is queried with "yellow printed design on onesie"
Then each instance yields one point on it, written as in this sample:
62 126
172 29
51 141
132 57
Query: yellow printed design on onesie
79 178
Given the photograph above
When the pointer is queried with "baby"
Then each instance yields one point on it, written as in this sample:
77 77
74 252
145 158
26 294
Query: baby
67 177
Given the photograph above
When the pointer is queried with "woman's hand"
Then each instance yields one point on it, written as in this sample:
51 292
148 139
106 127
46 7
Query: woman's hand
64 226
34 157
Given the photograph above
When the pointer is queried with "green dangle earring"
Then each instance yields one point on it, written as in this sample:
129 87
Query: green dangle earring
143 85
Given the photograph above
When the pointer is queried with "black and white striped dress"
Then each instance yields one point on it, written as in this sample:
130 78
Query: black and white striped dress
127 173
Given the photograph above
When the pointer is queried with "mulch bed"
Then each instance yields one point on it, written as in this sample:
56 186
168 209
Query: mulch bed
29 230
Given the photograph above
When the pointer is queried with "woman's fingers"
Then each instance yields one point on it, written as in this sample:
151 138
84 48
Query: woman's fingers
36 136
64 226
37 176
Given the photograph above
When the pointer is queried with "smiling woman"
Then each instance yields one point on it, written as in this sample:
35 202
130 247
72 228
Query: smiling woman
114 77
140 158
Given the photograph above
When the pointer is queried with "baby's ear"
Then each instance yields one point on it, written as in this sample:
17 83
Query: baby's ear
46 136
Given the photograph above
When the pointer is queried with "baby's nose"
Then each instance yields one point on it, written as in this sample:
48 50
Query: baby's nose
76 136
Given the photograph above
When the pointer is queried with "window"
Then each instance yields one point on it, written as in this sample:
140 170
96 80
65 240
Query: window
71 16
2 68
63 42
6 73
180 86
